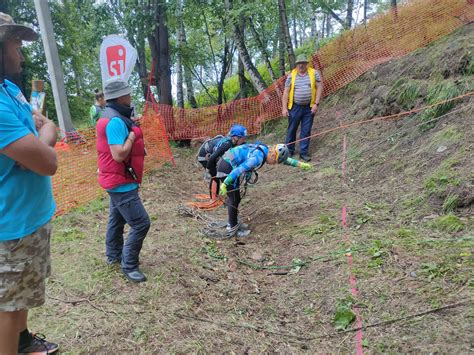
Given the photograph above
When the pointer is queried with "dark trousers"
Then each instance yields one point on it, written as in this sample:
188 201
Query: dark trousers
126 207
299 114
233 196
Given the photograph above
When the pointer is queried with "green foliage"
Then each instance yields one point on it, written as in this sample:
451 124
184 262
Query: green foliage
404 233
344 316
446 136
404 92
323 226
377 252
212 251
449 223
450 203
442 178
68 234
433 270
440 91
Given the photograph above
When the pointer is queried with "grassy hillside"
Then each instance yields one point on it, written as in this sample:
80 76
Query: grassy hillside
408 192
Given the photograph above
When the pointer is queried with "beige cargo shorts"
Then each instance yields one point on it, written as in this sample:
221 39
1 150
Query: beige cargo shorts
24 266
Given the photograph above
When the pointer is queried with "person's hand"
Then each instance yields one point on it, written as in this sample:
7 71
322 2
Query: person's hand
131 136
39 119
223 190
314 109
305 166
284 112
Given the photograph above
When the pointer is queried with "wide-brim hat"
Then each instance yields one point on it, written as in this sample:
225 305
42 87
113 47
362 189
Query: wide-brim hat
9 29
301 59
116 88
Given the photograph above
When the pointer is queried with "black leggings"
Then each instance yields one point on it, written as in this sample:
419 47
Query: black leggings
233 194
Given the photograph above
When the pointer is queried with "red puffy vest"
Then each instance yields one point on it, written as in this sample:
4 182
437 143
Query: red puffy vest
112 173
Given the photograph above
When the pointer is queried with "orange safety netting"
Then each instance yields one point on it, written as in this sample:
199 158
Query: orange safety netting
341 61
75 182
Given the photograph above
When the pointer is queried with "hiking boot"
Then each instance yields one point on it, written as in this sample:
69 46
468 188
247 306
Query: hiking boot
135 276
305 157
37 344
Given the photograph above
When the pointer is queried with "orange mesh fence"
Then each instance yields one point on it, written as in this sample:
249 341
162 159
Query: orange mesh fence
341 61
75 182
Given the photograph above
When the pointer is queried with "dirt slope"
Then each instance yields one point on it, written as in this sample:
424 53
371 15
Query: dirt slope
408 192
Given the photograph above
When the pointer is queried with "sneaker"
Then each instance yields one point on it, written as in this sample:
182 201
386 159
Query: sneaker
305 157
243 233
37 345
243 226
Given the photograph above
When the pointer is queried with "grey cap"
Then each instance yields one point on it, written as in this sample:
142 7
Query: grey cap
116 88
301 59
9 29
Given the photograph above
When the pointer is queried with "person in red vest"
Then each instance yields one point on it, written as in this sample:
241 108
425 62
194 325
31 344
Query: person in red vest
121 153
300 102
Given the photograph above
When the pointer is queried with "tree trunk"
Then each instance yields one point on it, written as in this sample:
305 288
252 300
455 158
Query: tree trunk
286 32
330 11
164 84
281 52
328 26
350 9
255 76
226 61
243 81
180 46
141 65
189 88
366 4
323 26
295 35
262 49
394 8
313 25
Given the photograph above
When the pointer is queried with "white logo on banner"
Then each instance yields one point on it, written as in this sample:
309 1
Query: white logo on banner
117 58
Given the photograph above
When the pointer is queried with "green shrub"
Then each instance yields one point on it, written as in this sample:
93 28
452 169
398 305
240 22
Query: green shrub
405 92
441 91
450 203
449 223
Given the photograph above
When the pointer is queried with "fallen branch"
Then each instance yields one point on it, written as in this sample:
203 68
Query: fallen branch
244 326
387 322
330 335
73 302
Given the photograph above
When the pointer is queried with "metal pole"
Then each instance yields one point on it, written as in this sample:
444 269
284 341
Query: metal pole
54 66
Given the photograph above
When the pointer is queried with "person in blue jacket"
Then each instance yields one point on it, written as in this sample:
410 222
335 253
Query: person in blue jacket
212 150
240 161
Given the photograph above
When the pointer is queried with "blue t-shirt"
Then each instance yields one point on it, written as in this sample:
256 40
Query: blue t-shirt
117 133
26 199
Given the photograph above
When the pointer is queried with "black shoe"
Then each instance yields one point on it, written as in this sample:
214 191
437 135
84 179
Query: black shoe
305 157
291 154
135 276
37 344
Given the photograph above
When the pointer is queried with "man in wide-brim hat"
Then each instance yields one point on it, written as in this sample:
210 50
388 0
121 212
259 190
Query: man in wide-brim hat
27 160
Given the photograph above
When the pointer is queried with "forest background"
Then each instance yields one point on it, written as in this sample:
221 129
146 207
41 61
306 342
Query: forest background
203 52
